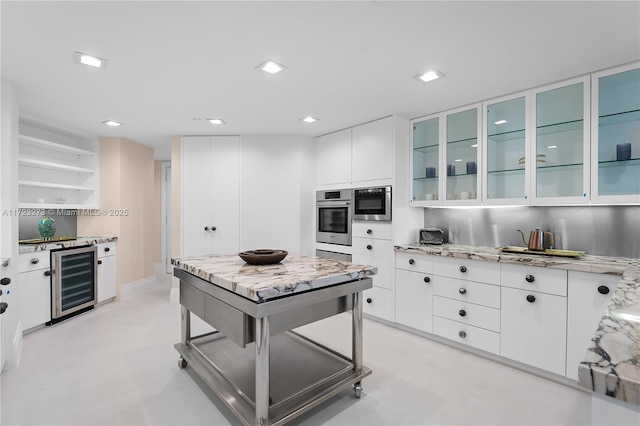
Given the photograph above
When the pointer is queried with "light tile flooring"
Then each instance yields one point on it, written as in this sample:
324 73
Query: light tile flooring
116 365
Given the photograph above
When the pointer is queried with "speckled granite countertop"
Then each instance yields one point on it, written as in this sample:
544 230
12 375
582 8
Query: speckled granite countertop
612 363
80 241
294 274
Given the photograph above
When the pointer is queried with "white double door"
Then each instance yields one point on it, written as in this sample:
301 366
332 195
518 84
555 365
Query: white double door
210 187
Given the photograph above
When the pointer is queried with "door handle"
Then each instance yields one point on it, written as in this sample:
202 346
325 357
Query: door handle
5 281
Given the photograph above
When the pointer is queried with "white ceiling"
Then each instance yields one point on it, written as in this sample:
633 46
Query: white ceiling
349 62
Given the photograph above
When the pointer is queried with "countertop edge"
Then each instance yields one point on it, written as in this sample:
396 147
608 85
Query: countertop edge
80 241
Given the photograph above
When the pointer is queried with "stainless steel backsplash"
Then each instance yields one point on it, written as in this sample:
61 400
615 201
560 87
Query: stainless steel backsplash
600 230
66 223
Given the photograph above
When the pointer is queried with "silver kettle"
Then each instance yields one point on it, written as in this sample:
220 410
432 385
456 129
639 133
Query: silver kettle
538 240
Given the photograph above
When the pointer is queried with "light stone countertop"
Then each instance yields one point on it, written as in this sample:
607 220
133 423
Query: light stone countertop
612 363
259 283
80 241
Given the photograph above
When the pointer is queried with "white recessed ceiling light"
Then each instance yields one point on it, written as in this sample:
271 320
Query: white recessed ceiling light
272 67
112 123
552 146
215 120
309 119
89 60
500 122
458 159
429 76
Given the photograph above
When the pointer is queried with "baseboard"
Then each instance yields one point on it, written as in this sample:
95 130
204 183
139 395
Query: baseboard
137 287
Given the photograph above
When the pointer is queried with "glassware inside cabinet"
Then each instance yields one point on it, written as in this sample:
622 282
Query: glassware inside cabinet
506 149
619 133
426 151
560 142
462 155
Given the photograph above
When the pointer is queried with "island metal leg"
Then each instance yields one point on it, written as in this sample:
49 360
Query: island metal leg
185 325
356 339
262 371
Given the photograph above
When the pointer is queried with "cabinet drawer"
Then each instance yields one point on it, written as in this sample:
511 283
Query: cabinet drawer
380 256
467 334
467 291
534 278
414 262
472 270
34 261
467 313
106 249
378 302
379 230
373 248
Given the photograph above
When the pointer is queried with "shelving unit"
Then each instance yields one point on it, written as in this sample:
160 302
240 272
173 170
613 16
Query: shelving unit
54 174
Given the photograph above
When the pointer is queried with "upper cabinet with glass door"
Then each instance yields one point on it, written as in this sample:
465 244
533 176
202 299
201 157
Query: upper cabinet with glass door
561 143
615 136
461 156
506 145
425 157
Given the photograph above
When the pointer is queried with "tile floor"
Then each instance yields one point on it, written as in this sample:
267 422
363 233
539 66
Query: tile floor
116 365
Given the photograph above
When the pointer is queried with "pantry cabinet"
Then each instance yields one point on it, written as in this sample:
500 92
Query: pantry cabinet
210 189
615 136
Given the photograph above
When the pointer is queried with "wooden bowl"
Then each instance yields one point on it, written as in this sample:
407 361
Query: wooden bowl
263 256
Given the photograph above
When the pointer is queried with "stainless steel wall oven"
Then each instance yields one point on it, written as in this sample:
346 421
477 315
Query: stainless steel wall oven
333 210
74 278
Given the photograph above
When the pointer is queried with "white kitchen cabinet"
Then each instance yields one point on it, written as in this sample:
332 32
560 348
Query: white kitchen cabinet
54 173
378 302
414 299
588 296
210 186
106 271
427 132
372 152
467 334
534 329
35 289
333 154
615 135
560 143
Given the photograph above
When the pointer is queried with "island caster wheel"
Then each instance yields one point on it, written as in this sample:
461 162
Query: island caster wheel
182 363
357 388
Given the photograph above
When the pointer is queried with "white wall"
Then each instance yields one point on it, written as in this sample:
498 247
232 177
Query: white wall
278 183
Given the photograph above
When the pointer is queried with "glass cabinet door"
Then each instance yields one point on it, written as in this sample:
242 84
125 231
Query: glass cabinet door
426 154
561 147
616 136
506 145
461 156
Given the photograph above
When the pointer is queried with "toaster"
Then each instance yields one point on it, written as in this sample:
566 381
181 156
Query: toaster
431 236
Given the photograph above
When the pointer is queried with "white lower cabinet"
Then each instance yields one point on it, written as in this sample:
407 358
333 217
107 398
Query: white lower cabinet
467 313
476 337
35 289
106 271
533 329
414 299
379 303
589 295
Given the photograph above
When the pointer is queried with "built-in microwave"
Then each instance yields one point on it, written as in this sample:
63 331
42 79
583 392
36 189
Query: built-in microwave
372 203
333 210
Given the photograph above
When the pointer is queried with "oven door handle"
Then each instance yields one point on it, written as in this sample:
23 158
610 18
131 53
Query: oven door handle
324 204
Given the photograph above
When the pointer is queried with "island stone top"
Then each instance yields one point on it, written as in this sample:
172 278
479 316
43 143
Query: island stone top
294 274
80 241
612 363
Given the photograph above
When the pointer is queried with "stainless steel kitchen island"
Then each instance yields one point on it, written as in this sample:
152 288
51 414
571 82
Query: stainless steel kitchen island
261 369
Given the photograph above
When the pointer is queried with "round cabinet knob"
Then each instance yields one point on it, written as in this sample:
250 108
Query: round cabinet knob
427 279
0 292
411 261
47 273
462 334
462 312
5 281
603 289
369 300
530 278
35 261
369 247
463 269
206 228
462 291
213 228
369 231
107 249
99 262
531 298
3 307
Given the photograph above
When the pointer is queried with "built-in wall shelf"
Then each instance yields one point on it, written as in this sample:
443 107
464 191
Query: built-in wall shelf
55 170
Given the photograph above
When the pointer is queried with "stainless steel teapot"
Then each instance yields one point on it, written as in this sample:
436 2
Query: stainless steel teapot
538 240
